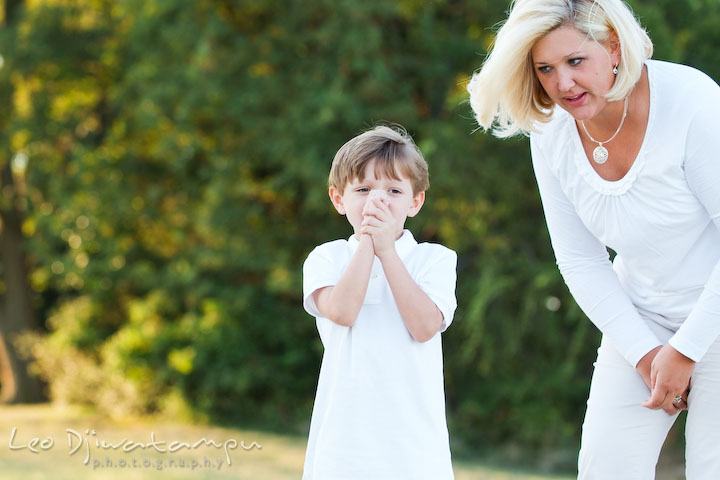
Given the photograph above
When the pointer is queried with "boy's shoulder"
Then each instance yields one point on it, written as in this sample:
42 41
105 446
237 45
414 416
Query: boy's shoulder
435 247
429 250
333 248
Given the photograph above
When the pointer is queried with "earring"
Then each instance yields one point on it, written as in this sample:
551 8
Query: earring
615 70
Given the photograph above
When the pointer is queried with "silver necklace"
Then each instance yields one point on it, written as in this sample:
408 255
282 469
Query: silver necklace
600 153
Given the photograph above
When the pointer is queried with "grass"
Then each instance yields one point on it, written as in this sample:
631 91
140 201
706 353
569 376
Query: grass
73 444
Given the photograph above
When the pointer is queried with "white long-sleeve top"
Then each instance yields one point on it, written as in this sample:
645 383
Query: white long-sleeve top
662 219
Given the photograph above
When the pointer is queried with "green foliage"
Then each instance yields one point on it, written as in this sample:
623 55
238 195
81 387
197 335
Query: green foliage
177 162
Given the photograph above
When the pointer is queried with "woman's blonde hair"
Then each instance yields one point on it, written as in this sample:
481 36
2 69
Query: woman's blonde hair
506 95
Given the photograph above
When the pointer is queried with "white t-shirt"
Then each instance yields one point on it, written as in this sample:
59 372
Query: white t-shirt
662 219
379 410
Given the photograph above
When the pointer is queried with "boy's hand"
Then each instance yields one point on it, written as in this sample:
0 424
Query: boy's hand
379 223
375 195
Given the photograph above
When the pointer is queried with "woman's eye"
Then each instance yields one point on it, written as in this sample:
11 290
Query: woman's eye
544 69
575 61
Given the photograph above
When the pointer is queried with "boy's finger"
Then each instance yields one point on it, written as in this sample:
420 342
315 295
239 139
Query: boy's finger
371 210
373 221
384 204
375 215
369 220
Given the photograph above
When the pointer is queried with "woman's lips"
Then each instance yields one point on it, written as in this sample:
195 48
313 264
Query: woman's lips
575 99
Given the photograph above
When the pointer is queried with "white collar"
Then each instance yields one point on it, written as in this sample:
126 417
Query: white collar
403 245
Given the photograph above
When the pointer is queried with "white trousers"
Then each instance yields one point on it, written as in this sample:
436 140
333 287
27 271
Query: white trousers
621 440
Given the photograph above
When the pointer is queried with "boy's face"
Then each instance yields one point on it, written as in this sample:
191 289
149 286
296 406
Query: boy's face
396 194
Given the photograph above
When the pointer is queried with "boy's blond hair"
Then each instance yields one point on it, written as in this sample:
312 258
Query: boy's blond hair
393 151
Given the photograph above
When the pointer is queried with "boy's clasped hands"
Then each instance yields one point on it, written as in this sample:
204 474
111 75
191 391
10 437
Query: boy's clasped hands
379 223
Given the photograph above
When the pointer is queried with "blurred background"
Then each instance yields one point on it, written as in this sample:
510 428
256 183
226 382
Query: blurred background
163 177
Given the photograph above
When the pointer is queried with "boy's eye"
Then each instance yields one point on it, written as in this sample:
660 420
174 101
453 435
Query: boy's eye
395 190
363 189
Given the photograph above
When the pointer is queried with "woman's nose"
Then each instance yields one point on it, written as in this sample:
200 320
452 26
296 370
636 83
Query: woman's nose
565 80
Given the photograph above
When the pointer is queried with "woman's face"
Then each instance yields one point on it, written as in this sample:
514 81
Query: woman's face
575 71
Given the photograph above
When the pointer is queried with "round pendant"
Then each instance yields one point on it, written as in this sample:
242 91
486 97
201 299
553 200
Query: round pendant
600 154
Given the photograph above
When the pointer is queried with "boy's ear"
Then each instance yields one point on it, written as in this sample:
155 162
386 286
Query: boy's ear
337 200
416 204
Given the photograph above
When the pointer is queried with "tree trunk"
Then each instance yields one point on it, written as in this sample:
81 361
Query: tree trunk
12 7
17 384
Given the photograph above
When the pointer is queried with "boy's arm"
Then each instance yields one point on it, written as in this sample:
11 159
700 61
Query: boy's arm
421 316
341 303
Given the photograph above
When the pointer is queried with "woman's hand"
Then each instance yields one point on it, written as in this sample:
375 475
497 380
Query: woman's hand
645 364
670 373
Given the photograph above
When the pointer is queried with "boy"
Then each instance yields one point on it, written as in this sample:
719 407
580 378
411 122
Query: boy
380 300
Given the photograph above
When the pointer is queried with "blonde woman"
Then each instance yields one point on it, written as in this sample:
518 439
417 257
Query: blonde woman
626 152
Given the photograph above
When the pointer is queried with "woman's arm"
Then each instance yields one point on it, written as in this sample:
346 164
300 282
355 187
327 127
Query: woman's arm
674 364
702 171
586 268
